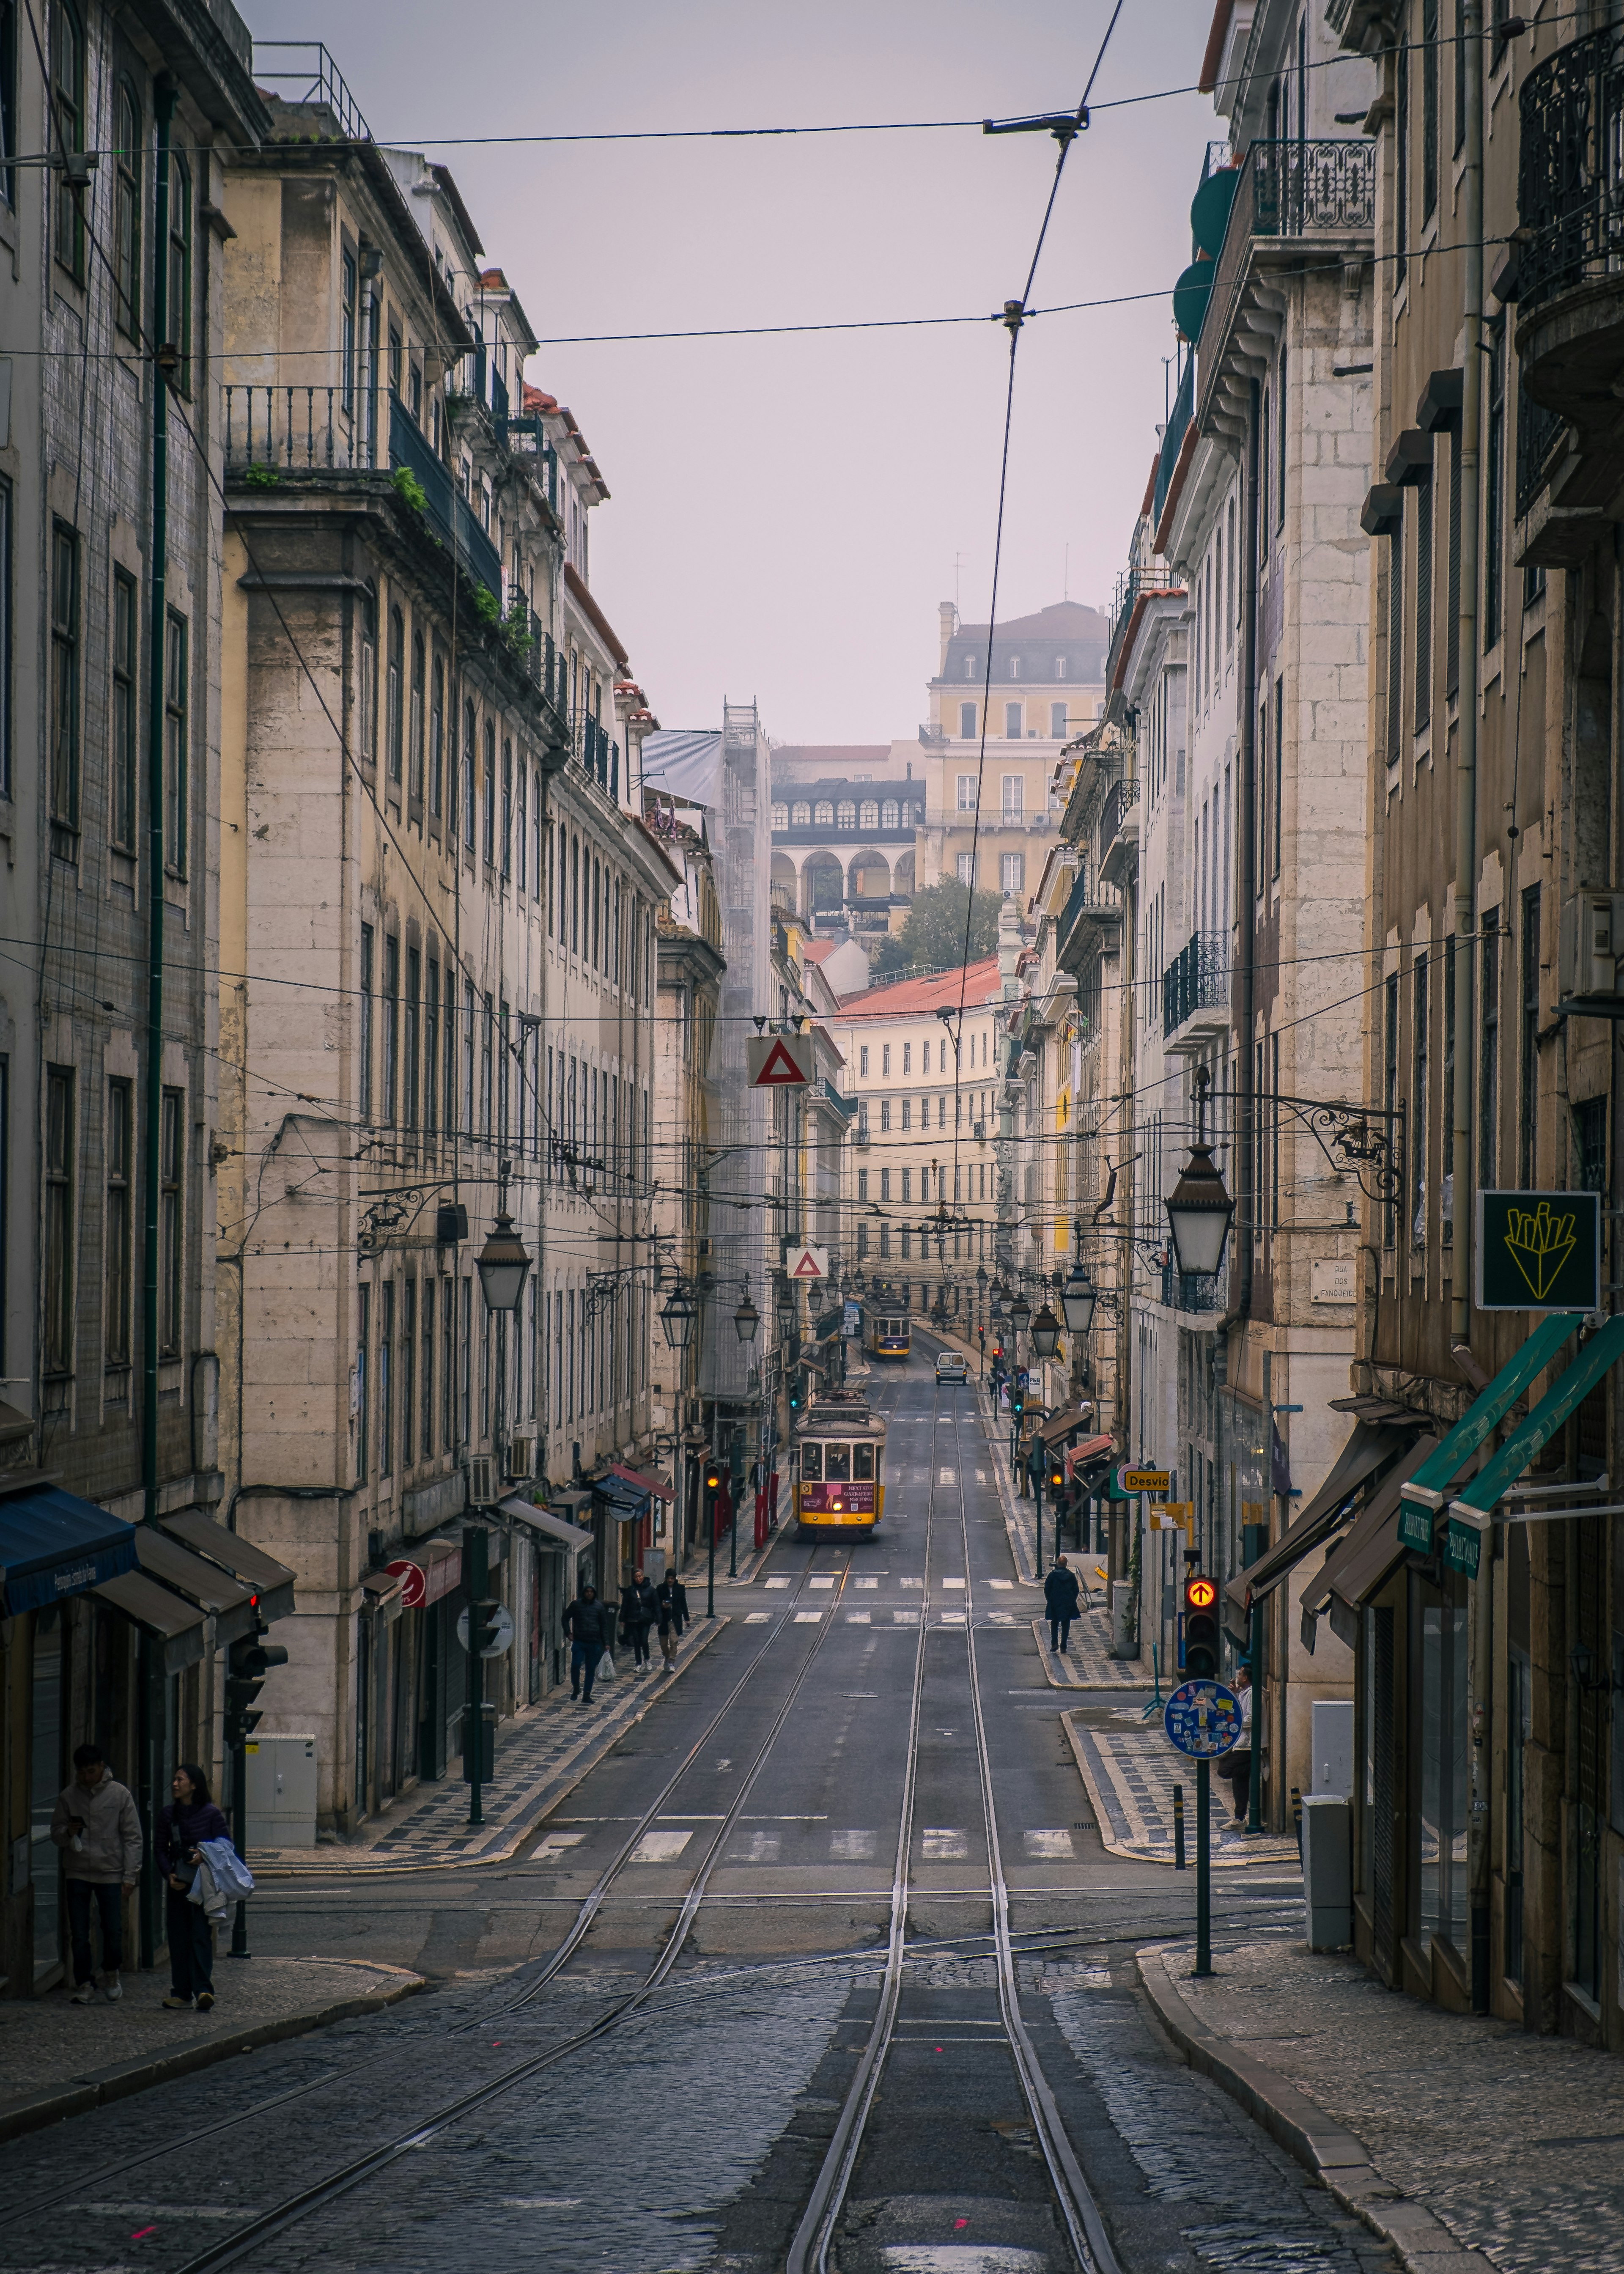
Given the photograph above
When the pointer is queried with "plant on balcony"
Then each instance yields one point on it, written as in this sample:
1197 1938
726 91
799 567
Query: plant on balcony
488 607
410 491
516 627
258 477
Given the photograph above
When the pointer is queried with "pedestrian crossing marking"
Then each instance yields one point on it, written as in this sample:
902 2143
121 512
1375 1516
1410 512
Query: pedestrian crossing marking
940 1846
808 1618
1001 1619
661 1847
952 1582
913 1583
981 1476
756 1848
822 1583
1049 1847
775 1583
859 1618
1000 1582
866 1582
555 1843
852 1846
953 1619
945 1476
906 1618
756 1618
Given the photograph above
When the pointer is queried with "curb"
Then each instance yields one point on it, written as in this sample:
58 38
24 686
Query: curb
1245 1861
33 2110
1337 2157
355 1861
1061 1677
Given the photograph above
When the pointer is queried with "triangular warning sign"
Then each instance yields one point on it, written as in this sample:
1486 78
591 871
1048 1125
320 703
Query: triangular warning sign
806 1266
778 1068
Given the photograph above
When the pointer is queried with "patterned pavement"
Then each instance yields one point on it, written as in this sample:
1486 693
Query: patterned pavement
1086 1664
1129 1774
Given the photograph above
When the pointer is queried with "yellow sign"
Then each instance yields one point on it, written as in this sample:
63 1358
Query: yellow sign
1172 1515
1138 1480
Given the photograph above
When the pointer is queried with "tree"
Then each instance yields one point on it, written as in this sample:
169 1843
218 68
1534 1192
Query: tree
934 935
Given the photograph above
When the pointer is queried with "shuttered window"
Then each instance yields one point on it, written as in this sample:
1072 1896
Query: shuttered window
1424 603
1396 639
1452 629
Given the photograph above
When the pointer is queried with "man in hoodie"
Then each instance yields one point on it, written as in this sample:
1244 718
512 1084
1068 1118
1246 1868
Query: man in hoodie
589 1626
95 1824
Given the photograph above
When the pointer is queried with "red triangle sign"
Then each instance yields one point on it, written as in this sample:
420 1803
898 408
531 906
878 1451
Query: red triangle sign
806 1266
778 1069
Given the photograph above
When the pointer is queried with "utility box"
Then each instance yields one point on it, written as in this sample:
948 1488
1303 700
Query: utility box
1328 1870
279 1790
1331 1768
1124 1631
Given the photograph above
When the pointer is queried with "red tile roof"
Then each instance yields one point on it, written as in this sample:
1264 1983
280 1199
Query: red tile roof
913 998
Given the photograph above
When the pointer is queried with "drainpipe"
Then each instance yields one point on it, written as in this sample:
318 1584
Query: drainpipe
1240 1302
1480 1598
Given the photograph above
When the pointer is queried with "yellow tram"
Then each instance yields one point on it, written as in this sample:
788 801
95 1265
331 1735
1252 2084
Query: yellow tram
890 1329
841 1486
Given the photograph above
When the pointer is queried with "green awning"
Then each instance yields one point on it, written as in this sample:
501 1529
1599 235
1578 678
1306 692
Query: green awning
1469 1510
1429 1486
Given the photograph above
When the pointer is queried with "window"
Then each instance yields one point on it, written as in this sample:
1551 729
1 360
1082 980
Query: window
67 64
780 816
1060 666
430 1051
968 713
180 271
126 207
846 814
357 1395
64 677
537 873
907 1057
1265 469
967 868
414 735
60 1161
5 588
884 1115
1424 602
386 1378
862 1062
177 744
468 775
469 1016
802 815
1278 755
427 1450
1494 486
391 1028
409 1060
507 806
395 693
1282 431
884 1058
969 666
447 1366
907 1113
366 691
869 814
347 367
1400 168
1488 1086
824 813
486 1026
1014 803
408 1356
437 737
888 813
123 728
366 1100
1527 1100
1012 872
1014 667
1057 721
490 792
172 1221
908 1193
522 825
118 1154
1417 1113
504 1061
1013 722
967 793
924 1057
1429 109
1395 642
884 1184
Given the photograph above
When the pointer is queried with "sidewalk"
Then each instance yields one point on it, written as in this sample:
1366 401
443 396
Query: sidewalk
540 1756
1466 2144
58 2059
1129 1773
1087 1663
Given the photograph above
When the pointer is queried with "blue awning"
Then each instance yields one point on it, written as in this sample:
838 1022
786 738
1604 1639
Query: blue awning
53 1544
627 1501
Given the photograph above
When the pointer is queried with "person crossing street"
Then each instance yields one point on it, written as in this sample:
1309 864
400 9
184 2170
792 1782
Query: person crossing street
1060 1602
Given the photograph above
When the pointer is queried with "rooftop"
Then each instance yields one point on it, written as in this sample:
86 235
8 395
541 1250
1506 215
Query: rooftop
912 998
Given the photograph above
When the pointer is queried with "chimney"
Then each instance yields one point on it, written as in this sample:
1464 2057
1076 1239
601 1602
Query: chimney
949 615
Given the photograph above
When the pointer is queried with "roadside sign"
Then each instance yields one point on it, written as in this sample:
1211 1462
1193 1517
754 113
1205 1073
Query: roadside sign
1131 1480
1203 1719
1539 1251
778 1061
806 1263
1172 1515
501 1640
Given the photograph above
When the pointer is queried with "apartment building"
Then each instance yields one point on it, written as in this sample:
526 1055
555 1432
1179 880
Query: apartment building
109 651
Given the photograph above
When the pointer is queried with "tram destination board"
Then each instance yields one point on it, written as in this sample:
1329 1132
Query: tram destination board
1203 1719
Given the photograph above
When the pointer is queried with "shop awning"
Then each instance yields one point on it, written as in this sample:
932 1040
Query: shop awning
1479 1495
643 1484
179 1629
556 1531
1430 1484
1086 1453
1361 1559
266 1579
385 1594
1370 1448
629 1503
53 1545
1069 1418
229 1603
430 1570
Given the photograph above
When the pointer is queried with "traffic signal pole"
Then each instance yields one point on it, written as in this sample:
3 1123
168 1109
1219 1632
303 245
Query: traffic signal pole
1203 1866
476 1571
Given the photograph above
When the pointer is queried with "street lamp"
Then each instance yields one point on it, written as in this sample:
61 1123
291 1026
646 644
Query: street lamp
1199 1213
1077 1298
746 1320
504 1264
815 1296
1020 1315
783 1307
1045 1332
677 1320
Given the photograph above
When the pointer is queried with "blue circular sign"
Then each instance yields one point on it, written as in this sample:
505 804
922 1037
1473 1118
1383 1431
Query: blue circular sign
1203 1719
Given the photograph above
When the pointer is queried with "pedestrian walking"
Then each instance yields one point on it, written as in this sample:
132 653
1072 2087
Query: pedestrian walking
1060 1598
587 1624
95 1824
1238 1760
671 1615
191 1818
637 1616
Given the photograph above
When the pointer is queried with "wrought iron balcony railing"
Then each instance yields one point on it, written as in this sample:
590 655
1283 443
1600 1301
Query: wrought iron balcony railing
1570 168
1120 800
1197 979
1132 585
1173 439
1191 1291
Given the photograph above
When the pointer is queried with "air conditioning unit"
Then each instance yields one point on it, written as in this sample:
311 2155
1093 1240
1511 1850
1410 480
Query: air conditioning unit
481 1480
1592 949
522 1458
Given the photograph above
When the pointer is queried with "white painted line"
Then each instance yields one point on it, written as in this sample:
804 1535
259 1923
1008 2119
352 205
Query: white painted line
808 1618
775 1583
953 1619
755 1847
952 1582
913 1583
981 1476
859 1618
1001 1619
906 1618
961 2258
540 2202
1000 1582
865 1583
1051 1847
661 1847
938 1845
945 1476
756 1618
555 1843
852 1846
821 1583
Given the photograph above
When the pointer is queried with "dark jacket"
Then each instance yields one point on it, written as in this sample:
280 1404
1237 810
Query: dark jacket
637 1606
180 1829
670 1604
1060 1594
590 1622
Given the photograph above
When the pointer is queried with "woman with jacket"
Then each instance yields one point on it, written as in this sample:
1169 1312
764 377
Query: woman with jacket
191 1818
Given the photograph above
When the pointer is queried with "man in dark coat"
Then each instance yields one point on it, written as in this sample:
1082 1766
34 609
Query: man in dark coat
1060 1598
671 1613
590 1630
637 1616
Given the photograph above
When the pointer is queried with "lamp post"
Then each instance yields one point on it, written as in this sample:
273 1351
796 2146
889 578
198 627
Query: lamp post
1199 1213
1078 1299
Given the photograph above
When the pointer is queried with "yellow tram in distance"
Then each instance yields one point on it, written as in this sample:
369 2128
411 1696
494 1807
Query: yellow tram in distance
840 1489
890 1329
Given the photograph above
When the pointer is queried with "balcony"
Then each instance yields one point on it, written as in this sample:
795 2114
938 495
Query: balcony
1290 197
1569 285
1119 831
1173 439
1191 1291
1195 992
1132 586
600 758
1090 911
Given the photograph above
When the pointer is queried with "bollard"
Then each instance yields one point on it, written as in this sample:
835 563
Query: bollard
1178 1827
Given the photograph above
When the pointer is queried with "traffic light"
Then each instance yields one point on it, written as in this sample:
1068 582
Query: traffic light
713 1479
482 1627
1017 1400
795 1393
1056 1477
248 1661
1200 1628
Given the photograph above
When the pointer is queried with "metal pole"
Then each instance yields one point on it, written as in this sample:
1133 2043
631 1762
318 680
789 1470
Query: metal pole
1178 1827
1203 1866
239 1839
707 1501
477 1566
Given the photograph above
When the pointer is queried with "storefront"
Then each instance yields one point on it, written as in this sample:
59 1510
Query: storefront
428 1673
547 1550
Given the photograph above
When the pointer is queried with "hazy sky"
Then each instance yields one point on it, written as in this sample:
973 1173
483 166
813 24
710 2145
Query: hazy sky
786 513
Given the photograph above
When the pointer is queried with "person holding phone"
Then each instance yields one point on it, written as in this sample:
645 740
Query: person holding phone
96 1825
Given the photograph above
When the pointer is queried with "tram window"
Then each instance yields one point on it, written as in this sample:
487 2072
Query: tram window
838 1463
862 1462
811 1463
